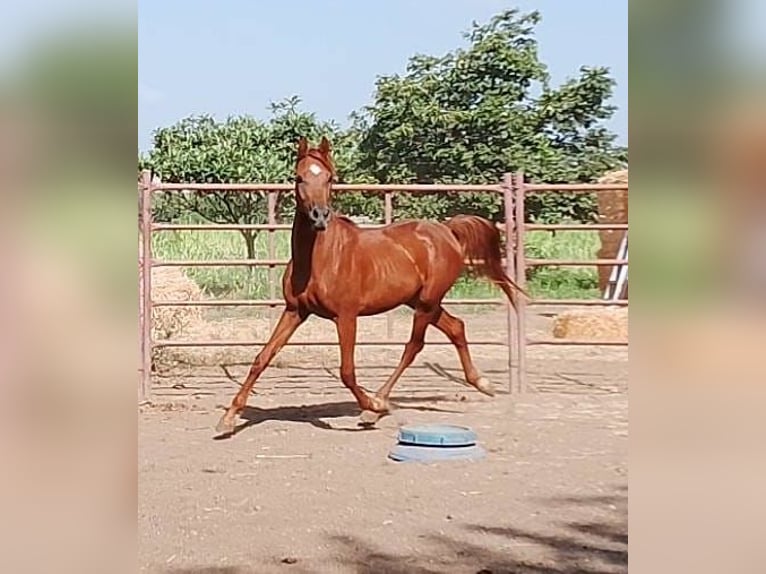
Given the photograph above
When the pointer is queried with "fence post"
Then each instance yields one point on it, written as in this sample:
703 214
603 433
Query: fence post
388 218
510 269
272 219
521 280
145 315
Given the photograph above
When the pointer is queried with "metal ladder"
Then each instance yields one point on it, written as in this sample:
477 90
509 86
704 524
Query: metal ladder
618 279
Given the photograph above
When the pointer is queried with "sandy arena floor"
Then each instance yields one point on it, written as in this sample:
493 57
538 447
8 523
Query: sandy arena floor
302 490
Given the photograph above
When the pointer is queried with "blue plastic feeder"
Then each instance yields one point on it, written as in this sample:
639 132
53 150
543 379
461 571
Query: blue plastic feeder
432 443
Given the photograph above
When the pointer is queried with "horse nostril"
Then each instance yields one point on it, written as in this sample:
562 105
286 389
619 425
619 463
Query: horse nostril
319 213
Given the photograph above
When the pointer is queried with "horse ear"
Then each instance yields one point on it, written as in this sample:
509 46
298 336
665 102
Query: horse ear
303 147
325 147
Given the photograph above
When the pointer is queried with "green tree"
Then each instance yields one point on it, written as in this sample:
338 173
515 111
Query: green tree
486 109
239 150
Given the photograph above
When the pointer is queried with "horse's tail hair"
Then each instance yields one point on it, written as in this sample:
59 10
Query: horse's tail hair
481 244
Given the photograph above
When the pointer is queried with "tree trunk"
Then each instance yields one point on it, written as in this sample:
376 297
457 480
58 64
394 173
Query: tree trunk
250 236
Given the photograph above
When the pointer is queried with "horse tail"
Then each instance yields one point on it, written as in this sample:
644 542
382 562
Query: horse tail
481 244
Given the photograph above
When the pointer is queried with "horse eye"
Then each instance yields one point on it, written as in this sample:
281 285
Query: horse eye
298 179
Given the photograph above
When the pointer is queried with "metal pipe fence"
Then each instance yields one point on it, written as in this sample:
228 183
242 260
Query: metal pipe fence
513 190
520 190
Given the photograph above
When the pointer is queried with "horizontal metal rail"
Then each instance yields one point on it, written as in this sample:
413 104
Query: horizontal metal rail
575 226
238 226
383 188
575 187
339 187
283 262
220 263
288 227
577 342
281 302
244 343
220 303
221 227
577 302
573 263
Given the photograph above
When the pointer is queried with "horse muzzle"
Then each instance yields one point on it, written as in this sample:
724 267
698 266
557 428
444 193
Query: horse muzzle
320 217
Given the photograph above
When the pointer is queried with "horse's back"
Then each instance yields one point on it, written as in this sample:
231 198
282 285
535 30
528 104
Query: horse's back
434 251
430 237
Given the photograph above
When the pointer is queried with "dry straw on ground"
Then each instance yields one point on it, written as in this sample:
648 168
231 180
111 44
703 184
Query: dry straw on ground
172 284
610 324
169 284
612 208
258 328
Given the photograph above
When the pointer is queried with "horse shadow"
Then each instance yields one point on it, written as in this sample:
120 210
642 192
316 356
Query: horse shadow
315 414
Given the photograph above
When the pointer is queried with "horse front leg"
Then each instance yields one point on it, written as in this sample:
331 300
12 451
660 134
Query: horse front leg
346 326
289 321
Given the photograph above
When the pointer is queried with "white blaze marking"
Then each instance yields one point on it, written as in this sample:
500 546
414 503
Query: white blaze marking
315 169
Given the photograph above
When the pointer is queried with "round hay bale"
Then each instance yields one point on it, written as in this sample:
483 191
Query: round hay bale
169 284
612 208
172 284
609 324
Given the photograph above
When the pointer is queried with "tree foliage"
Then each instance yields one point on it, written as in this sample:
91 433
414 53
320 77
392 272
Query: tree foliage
485 109
469 116
239 149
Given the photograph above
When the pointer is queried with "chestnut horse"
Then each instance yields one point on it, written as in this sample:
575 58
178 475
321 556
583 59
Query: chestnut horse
341 272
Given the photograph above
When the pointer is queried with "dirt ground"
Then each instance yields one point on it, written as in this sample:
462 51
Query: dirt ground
301 489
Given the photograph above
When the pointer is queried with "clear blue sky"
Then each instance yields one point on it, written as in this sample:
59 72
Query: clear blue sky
229 57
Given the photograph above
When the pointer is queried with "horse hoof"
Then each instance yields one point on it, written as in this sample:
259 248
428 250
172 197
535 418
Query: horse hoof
369 418
484 386
225 425
379 405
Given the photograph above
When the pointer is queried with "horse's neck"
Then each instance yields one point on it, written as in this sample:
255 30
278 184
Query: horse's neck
302 240
306 243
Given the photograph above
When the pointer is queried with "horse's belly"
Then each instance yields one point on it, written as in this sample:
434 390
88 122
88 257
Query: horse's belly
389 293
378 307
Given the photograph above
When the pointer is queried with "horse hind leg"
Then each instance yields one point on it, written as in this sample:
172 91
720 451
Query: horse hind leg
454 329
381 406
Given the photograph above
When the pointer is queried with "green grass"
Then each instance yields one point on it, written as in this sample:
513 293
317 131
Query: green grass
240 282
563 282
